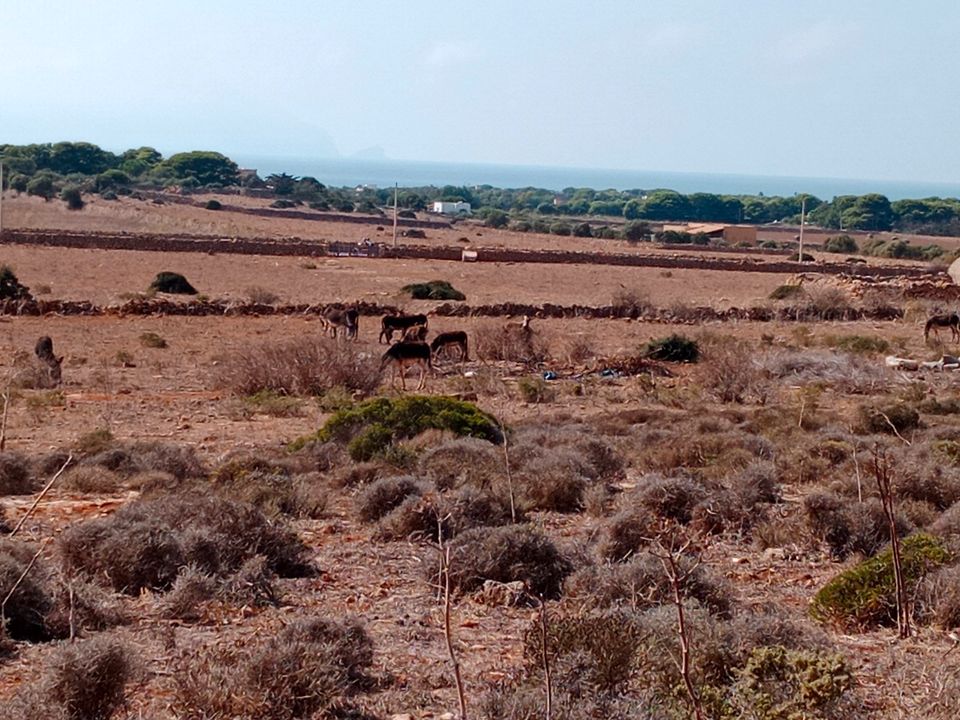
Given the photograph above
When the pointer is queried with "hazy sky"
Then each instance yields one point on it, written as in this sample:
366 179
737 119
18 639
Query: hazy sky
845 88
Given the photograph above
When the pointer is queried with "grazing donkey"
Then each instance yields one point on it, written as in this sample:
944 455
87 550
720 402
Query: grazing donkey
950 320
403 355
44 351
399 323
334 318
417 333
457 339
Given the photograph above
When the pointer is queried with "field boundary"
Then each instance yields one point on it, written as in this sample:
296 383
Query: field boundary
298 247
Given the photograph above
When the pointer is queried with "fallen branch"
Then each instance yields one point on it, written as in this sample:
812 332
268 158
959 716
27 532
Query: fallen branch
43 492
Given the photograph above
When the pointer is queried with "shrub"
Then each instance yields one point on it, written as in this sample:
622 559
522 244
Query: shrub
939 600
83 681
146 543
675 348
786 292
300 366
261 296
10 287
510 343
72 197
894 418
841 244
468 461
429 515
433 290
864 596
673 498
535 390
641 582
213 205
506 554
269 402
299 673
780 683
173 283
383 495
190 590
371 427
30 603
15 475
627 532
273 493
560 228
850 527
632 302
859 344
152 340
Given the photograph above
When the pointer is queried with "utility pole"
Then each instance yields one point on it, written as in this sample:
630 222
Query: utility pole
1 200
803 218
395 189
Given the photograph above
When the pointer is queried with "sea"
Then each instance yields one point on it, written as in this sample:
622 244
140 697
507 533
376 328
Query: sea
349 172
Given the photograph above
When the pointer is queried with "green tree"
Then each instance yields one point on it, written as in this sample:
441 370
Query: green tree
208 168
111 179
666 205
582 230
636 231
281 183
494 218
138 161
869 212
72 197
43 185
633 210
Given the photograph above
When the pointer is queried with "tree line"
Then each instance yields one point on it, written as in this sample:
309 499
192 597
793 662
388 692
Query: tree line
73 168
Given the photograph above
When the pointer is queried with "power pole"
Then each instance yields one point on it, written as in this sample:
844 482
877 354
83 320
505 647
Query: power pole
395 188
803 217
1 200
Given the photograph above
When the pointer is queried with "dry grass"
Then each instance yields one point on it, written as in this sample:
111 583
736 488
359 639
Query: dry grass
301 366
510 343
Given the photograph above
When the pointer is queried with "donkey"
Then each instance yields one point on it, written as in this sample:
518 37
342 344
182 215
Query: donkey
403 355
390 324
950 320
334 318
44 352
457 339
417 333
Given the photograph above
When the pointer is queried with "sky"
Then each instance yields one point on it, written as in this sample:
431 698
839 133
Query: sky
845 88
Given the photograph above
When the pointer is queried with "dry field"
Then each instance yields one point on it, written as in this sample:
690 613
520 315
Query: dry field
758 454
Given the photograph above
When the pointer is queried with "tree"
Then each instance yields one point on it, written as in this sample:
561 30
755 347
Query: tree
43 185
72 197
582 230
82 157
666 205
140 160
636 231
546 208
869 212
707 207
633 210
111 179
208 168
494 218
282 183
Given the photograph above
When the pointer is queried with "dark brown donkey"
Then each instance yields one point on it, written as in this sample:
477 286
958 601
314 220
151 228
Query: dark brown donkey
457 339
335 317
950 320
399 323
44 351
403 355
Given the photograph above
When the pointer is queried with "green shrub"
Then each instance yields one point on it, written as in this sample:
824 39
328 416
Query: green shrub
433 290
893 418
214 205
535 390
785 292
859 344
841 244
171 282
795 257
371 427
675 348
782 684
864 596
561 228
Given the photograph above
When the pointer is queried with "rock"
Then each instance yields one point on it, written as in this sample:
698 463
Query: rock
511 594
775 553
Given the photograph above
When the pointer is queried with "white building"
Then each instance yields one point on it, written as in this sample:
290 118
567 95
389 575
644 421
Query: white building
452 208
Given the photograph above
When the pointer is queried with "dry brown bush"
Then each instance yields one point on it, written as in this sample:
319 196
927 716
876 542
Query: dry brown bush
300 366
843 372
358 474
261 296
83 681
383 495
510 343
632 302
32 600
302 672
90 479
731 373
15 475
146 543
671 498
186 597
554 481
627 532
505 554
850 527
421 517
938 599
462 462
641 583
